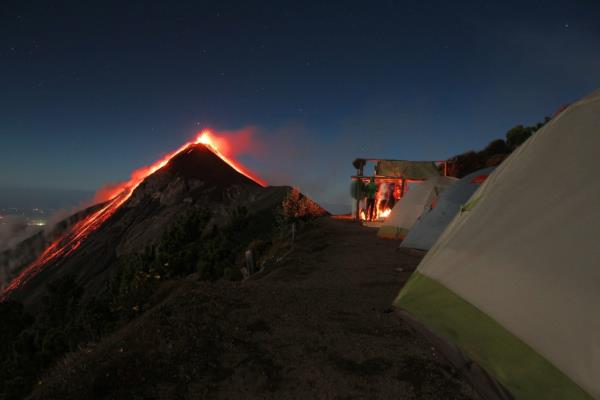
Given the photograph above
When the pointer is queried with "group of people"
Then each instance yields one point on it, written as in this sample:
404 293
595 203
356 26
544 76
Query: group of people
388 200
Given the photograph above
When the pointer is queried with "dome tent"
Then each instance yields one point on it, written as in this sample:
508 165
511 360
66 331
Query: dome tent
513 282
412 205
432 223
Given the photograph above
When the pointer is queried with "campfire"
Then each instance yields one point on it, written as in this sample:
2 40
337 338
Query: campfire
380 214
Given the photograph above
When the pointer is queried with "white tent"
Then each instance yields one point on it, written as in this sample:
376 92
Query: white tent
432 223
514 281
412 205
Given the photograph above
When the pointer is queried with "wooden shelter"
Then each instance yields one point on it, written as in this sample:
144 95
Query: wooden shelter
398 172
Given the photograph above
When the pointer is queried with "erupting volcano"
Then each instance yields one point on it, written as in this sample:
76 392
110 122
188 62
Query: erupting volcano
195 160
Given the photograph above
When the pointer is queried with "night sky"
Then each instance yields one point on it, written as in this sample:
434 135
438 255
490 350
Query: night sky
90 93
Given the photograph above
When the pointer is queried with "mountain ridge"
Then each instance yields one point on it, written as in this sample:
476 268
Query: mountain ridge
193 178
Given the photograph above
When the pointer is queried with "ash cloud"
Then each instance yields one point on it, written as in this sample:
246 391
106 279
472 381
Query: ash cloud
318 160
292 155
321 165
20 241
20 244
12 231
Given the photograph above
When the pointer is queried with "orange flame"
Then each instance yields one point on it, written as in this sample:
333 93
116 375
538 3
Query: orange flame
116 196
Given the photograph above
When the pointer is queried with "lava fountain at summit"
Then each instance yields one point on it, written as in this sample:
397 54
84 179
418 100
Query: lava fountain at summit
214 144
117 196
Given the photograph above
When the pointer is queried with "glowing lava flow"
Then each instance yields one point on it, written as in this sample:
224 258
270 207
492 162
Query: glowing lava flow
72 239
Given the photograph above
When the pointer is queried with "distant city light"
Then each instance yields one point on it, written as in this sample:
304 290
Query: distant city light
37 223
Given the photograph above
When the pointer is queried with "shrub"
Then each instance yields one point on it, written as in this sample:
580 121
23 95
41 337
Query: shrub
464 164
495 147
296 206
494 153
518 135
29 345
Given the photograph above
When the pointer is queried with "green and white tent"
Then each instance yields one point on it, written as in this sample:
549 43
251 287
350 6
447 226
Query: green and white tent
431 224
514 281
406 210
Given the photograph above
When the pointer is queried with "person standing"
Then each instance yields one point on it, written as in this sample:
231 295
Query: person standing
391 196
371 191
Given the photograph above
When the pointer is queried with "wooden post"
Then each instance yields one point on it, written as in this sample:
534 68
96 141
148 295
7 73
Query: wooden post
402 188
249 262
445 167
359 172
357 192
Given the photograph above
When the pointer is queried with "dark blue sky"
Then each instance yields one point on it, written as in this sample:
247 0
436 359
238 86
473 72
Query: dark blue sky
89 93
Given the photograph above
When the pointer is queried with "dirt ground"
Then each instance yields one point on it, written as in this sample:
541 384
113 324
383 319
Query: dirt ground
318 326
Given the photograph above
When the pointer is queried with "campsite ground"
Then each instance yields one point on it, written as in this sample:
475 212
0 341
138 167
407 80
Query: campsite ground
317 326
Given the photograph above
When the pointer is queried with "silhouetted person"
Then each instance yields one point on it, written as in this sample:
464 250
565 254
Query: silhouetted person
391 197
371 191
